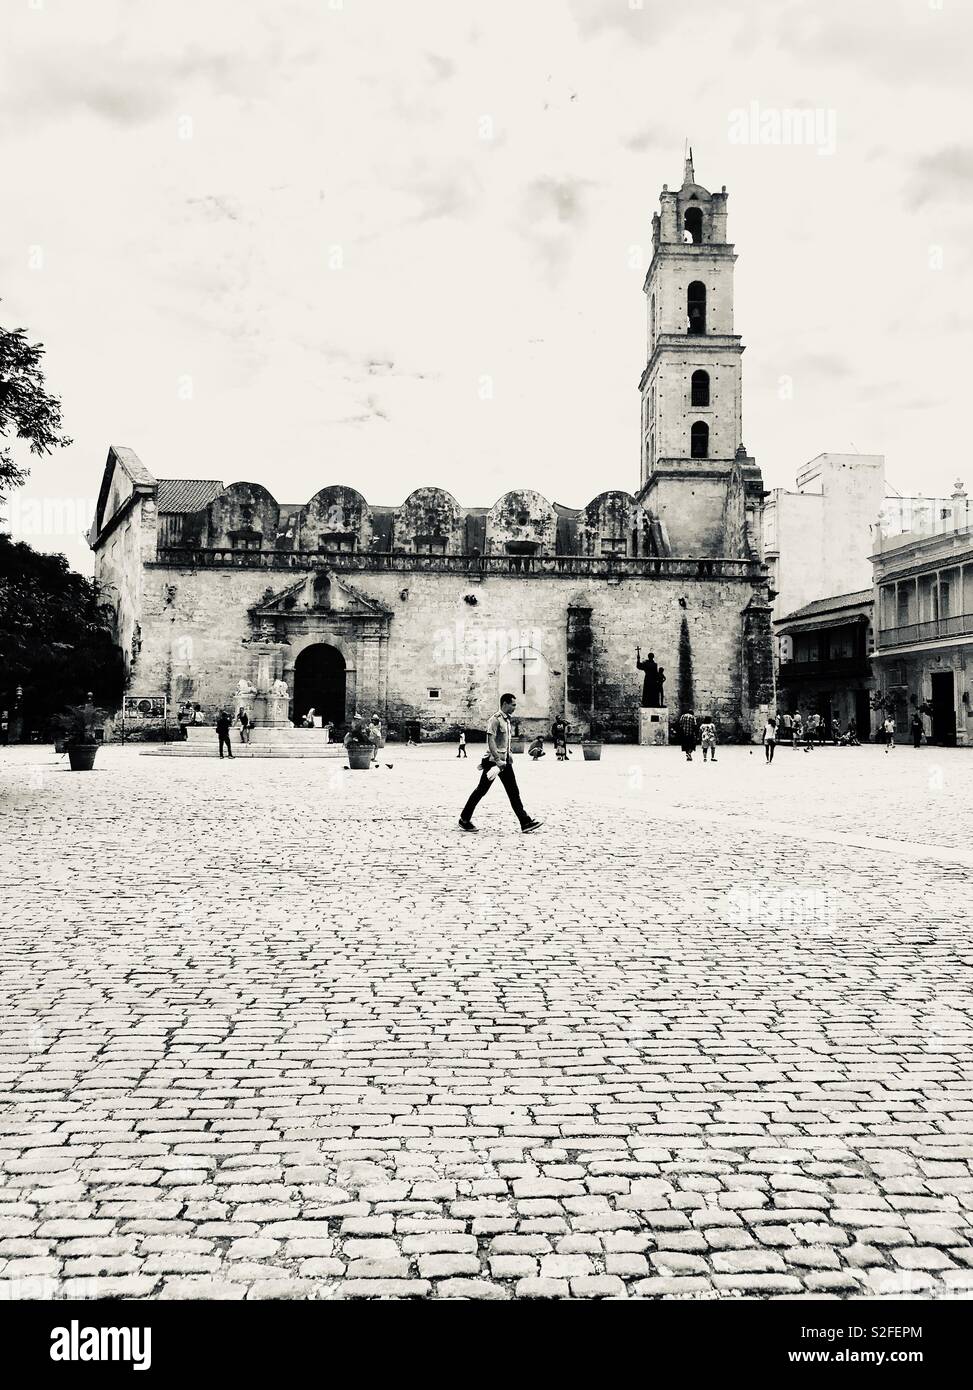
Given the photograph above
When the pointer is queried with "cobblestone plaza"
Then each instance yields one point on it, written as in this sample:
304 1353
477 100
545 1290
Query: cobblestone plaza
282 1031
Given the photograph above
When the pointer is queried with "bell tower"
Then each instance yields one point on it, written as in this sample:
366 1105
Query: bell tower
691 423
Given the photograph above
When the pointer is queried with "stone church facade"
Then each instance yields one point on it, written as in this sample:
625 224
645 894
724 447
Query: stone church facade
426 611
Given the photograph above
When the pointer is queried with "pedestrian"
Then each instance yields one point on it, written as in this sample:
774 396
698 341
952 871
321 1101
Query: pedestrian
376 736
243 719
559 733
498 764
687 734
787 723
461 750
889 730
836 731
797 730
809 734
707 737
198 716
770 738
916 727
223 732
536 749
853 733
328 730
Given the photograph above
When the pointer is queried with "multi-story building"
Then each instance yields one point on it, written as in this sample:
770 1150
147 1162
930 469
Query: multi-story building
817 540
923 593
825 660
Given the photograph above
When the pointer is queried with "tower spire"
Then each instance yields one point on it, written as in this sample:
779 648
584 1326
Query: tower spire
689 174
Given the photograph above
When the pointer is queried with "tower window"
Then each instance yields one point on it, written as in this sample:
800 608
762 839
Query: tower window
693 223
696 307
700 389
699 436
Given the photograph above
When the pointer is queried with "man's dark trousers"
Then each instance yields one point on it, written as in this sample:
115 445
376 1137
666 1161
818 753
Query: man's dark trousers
224 740
509 780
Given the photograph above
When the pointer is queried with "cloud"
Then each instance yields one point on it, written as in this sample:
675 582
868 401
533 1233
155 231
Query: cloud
944 176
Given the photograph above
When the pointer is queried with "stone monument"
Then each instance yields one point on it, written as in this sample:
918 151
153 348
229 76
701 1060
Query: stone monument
653 716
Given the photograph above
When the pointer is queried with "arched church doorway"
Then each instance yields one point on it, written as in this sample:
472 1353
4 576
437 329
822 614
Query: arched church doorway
319 683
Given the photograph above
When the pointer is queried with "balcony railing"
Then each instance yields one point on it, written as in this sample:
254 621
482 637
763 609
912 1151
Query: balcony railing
793 671
961 625
614 567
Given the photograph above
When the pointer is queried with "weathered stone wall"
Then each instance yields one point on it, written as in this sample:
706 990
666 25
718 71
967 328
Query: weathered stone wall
242 511
521 518
675 413
194 625
429 519
614 515
331 513
690 501
119 572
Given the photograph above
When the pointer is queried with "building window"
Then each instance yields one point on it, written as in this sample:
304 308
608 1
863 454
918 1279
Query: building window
700 389
652 323
699 436
245 540
430 545
696 307
614 545
434 692
693 223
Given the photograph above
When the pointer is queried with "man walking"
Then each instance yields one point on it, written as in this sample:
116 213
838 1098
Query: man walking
223 732
915 725
498 764
461 750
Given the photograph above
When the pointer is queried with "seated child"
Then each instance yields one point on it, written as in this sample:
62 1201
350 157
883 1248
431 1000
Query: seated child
536 749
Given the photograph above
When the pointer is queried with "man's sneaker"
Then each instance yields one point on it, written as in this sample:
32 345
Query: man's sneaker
531 825
468 826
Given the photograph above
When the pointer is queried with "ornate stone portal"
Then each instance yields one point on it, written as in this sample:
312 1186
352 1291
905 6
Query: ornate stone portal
321 608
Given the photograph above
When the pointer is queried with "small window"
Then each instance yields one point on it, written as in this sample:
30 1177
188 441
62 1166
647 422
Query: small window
434 692
699 436
700 389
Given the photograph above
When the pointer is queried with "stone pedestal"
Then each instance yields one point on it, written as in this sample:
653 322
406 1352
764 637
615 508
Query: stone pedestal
270 711
654 726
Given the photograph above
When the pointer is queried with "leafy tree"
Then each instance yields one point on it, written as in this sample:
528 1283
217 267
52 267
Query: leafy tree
56 641
27 409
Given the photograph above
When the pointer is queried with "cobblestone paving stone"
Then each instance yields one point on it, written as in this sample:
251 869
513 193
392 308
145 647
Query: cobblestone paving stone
279 1031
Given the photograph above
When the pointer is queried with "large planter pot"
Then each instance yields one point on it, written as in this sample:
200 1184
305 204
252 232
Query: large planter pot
359 756
591 748
81 756
518 744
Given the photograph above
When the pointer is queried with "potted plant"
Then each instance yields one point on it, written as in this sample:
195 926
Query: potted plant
81 727
592 744
518 741
359 747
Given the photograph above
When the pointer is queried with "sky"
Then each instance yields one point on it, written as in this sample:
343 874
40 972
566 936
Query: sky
394 244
